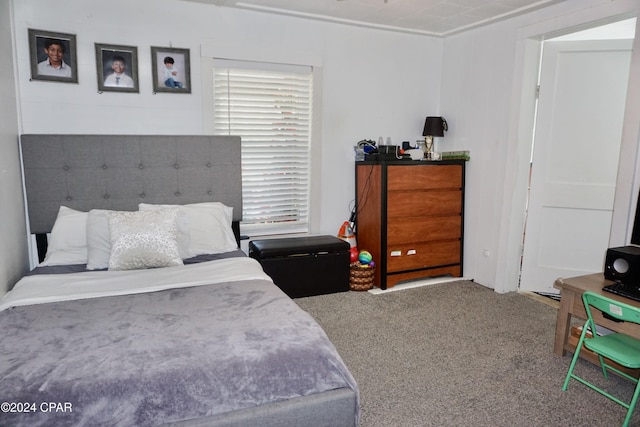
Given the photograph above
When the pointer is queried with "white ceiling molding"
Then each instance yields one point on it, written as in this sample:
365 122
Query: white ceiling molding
438 18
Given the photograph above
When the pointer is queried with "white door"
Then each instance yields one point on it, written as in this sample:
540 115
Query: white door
583 86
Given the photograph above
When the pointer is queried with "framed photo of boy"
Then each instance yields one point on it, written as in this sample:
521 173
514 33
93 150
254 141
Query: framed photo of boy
117 68
171 70
53 56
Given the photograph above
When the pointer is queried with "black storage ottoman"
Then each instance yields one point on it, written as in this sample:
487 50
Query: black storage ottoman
304 266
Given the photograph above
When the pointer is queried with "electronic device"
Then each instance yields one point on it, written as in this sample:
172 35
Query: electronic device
368 146
375 152
622 265
627 291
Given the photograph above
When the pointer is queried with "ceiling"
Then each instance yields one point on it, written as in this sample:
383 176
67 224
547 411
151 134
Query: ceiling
429 17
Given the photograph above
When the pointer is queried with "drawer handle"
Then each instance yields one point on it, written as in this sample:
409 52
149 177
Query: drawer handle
411 252
396 253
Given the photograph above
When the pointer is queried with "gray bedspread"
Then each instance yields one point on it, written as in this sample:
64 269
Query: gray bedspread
161 357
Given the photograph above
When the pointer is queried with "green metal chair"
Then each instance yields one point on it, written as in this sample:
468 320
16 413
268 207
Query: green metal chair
616 347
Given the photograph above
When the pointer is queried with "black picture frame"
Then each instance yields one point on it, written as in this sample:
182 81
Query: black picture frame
40 43
107 58
181 67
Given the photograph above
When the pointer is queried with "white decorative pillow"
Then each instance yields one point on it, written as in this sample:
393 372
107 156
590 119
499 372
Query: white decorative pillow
209 226
68 240
99 239
143 239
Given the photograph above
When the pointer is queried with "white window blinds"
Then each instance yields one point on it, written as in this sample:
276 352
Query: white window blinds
270 110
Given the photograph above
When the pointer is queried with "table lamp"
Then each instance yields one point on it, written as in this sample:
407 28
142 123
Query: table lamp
433 126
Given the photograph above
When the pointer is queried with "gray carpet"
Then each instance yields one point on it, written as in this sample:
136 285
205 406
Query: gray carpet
459 354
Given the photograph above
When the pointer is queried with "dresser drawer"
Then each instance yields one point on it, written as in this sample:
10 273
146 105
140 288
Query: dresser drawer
402 204
451 270
424 177
414 230
423 255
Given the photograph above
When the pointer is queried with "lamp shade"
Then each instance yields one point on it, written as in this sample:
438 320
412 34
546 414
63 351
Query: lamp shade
434 126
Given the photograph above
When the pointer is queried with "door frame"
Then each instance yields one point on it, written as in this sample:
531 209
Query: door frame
521 127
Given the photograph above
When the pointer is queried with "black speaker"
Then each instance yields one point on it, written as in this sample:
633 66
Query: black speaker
623 265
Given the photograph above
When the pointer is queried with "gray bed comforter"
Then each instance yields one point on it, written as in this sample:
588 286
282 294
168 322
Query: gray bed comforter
160 357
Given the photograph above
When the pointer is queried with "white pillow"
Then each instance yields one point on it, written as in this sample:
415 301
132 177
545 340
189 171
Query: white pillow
143 239
68 240
98 240
209 226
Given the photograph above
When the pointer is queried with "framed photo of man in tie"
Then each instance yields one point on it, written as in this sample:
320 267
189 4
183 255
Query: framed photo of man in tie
117 68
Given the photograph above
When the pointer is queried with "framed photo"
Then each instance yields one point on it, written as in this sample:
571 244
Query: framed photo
117 68
171 70
53 56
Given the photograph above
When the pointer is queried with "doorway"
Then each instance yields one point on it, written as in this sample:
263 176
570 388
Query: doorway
582 90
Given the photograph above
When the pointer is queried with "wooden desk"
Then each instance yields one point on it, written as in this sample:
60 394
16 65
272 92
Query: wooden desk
571 290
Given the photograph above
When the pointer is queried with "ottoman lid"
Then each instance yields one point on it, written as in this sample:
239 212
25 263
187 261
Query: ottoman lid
291 246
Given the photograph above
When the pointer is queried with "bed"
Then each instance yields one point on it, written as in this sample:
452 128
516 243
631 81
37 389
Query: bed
177 327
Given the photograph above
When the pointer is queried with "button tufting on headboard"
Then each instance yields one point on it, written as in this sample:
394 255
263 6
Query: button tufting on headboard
117 171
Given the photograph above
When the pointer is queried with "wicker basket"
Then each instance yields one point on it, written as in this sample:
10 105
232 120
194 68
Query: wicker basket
361 278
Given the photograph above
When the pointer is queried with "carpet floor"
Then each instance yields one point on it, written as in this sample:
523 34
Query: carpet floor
457 354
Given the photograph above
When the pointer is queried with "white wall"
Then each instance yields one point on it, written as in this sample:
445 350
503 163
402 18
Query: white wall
13 244
485 73
374 82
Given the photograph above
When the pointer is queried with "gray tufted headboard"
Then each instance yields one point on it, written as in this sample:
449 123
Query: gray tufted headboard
120 171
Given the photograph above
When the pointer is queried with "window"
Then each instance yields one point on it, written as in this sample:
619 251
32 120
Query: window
270 109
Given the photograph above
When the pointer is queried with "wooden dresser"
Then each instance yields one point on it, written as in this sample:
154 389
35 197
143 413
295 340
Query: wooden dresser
410 216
